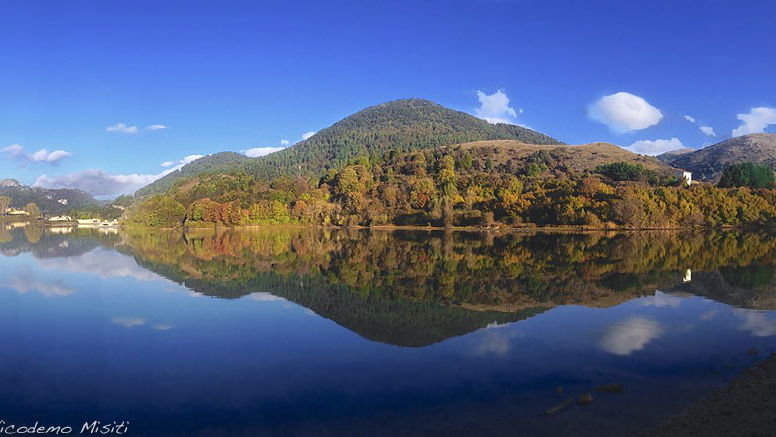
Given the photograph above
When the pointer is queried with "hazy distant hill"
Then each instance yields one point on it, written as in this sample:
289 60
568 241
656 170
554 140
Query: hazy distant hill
49 200
401 125
708 163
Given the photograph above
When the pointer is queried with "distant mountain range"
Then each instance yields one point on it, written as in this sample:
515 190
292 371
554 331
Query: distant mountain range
400 126
707 163
50 201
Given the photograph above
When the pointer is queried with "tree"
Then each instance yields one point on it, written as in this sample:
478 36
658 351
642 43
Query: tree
623 171
160 210
746 174
33 210
5 202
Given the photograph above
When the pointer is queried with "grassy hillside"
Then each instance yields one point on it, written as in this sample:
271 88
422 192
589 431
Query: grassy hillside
709 162
400 126
559 158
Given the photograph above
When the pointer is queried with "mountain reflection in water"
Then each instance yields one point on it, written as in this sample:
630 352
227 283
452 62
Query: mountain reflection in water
475 332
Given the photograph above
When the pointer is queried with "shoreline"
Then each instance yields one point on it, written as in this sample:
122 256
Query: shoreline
574 229
744 406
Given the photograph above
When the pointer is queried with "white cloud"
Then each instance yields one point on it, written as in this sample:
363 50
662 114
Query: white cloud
261 151
630 335
689 118
307 135
624 112
655 147
101 183
16 151
44 155
494 108
24 283
190 158
262 296
496 340
122 129
156 127
103 263
182 162
662 300
128 322
755 121
98 182
708 130
284 142
757 323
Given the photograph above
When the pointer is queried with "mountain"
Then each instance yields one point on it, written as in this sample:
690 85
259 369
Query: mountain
673 154
401 126
708 163
50 201
209 164
508 155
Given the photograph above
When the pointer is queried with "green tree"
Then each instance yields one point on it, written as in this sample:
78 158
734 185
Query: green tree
746 174
33 210
161 210
5 202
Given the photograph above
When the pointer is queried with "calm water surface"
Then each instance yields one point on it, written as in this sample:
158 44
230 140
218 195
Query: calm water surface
313 332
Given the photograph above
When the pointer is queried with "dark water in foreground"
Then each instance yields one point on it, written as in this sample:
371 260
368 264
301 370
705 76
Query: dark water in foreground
311 332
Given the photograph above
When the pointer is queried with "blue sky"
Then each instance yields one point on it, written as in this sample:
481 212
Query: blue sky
176 79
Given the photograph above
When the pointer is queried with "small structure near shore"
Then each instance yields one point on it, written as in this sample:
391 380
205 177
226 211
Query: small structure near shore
97 222
14 211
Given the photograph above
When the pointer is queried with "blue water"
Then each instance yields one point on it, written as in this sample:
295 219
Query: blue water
92 335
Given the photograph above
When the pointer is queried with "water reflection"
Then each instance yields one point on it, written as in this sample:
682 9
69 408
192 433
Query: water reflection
377 332
630 335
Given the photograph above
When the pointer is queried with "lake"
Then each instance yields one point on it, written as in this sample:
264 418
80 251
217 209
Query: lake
286 331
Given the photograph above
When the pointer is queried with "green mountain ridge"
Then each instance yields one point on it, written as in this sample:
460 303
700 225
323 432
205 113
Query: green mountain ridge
400 125
222 161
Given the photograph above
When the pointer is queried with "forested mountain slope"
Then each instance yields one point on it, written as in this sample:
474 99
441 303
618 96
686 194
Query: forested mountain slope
400 126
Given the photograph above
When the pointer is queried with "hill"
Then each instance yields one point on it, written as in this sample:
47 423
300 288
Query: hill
401 126
708 163
482 183
216 162
50 201
508 155
673 154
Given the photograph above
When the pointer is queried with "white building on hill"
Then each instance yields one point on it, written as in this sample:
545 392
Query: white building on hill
684 176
